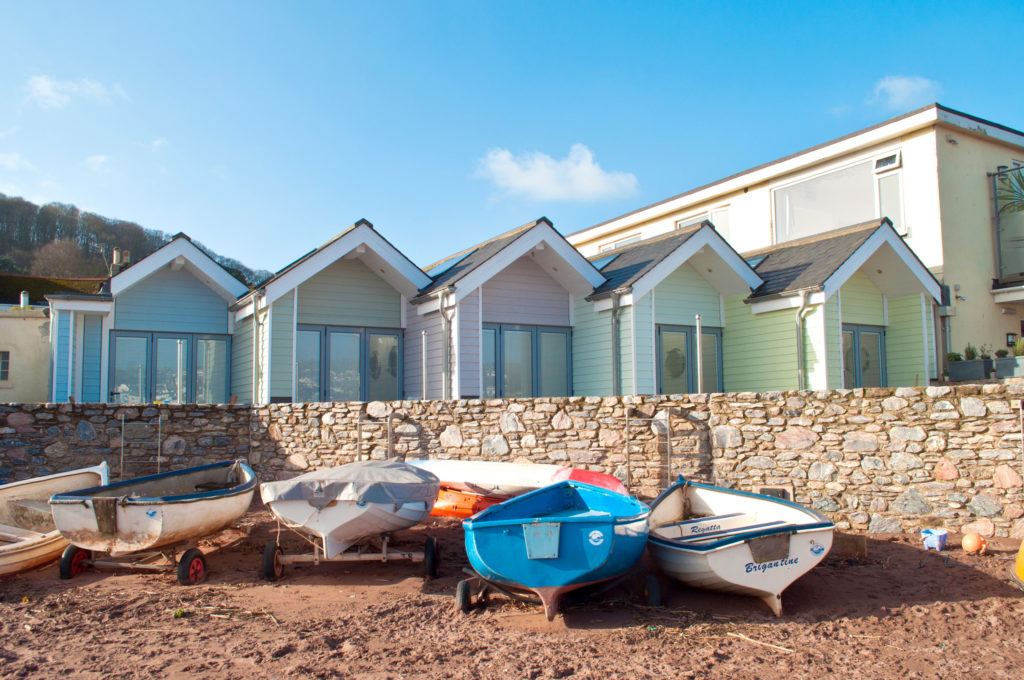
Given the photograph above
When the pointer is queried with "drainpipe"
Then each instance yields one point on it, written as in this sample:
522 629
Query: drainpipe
255 349
801 313
446 345
616 355
423 364
698 331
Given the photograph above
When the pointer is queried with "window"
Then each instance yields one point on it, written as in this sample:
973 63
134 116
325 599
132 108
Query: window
635 238
334 363
5 366
691 221
169 368
602 262
677 371
856 193
863 356
526 361
445 265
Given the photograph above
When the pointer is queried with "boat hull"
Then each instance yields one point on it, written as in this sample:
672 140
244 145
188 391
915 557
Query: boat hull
37 551
461 504
507 480
551 550
111 519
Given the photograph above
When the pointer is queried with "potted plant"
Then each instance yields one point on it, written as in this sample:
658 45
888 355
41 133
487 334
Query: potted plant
966 367
1010 366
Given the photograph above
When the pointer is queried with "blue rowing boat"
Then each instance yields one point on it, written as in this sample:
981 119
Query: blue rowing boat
557 539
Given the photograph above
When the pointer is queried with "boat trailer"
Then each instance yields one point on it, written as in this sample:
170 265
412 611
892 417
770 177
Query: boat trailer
186 560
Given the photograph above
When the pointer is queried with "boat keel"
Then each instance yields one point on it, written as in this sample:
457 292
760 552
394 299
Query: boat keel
774 603
549 597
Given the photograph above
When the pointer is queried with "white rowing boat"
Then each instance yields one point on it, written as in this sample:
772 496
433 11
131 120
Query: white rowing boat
735 541
505 480
28 537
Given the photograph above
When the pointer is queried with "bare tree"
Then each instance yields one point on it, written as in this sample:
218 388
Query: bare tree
62 259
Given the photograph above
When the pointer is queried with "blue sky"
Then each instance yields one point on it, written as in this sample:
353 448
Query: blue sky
264 128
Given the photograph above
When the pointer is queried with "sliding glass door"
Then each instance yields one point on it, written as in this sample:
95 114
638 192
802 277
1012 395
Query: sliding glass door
525 361
677 366
129 368
169 368
347 364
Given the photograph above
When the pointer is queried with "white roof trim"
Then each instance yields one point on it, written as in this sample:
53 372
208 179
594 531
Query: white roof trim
542 232
1015 294
198 262
791 301
705 237
361 235
882 236
83 305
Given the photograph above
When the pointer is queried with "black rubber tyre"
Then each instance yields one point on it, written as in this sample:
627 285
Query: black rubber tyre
74 561
431 558
652 590
463 597
273 568
191 567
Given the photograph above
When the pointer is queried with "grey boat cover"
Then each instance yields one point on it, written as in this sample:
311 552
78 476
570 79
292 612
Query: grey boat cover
367 481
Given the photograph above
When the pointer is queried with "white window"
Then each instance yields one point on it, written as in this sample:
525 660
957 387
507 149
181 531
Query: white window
839 198
635 238
691 221
718 217
5 366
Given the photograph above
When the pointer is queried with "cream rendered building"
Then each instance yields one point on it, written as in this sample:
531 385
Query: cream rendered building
929 171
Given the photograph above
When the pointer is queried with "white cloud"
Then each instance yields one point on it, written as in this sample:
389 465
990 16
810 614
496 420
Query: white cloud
537 176
905 92
98 163
158 144
50 93
12 162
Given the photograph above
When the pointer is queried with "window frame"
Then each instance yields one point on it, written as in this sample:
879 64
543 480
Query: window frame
691 351
364 333
5 379
857 329
535 359
151 337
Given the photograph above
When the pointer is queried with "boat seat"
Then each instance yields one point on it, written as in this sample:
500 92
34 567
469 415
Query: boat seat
725 533
701 526
15 534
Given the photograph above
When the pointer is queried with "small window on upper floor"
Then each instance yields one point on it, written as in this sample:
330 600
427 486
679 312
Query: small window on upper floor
887 163
5 366
691 221
635 238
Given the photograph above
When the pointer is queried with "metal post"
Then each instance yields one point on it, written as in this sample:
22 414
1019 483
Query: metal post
700 355
423 364
122 447
668 431
159 439
359 436
629 446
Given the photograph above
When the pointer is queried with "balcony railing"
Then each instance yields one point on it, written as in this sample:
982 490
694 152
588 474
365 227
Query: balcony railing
1008 215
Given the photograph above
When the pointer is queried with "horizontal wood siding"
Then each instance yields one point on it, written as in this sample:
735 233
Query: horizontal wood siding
281 347
626 349
643 333
905 342
241 361
469 346
171 301
683 294
348 293
862 301
524 293
92 347
759 349
415 325
835 343
591 351
60 361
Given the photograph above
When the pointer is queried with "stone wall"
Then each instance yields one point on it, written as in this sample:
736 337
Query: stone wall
875 460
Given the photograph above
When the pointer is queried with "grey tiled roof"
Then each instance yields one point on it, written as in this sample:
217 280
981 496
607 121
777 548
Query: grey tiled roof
633 261
805 264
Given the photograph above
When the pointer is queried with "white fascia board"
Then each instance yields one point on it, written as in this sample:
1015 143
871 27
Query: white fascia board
360 235
882 236
787 302
530 239
980 128
245 310
705 237
102 306
1015 294
604 304
431 305
878 135
211 273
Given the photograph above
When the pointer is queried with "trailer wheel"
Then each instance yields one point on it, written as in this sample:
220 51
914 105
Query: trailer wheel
652 590
74 561
463 596
191 567
273 567
431 558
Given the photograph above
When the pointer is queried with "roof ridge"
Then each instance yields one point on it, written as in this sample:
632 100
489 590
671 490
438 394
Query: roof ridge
481 244
816 238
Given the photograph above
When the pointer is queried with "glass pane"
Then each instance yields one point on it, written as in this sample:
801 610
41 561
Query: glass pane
131 374
554 365
709 361
830 201
848 366
343 366
382 368
211 371
488 356
672 362
870 359
517 360
307 365
1011 226
889 200
171 375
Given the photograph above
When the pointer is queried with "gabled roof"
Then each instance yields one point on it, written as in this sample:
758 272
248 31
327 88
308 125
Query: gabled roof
633 262
470 260
402 272
812 263
39 287
180 250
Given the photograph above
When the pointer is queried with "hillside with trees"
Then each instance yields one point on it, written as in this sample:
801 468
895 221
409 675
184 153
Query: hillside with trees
58 239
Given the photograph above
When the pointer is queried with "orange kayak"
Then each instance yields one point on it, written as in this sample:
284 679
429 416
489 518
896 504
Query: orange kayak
461 504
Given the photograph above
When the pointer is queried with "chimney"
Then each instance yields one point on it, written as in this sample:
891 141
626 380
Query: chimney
115 261
24 298
127 257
